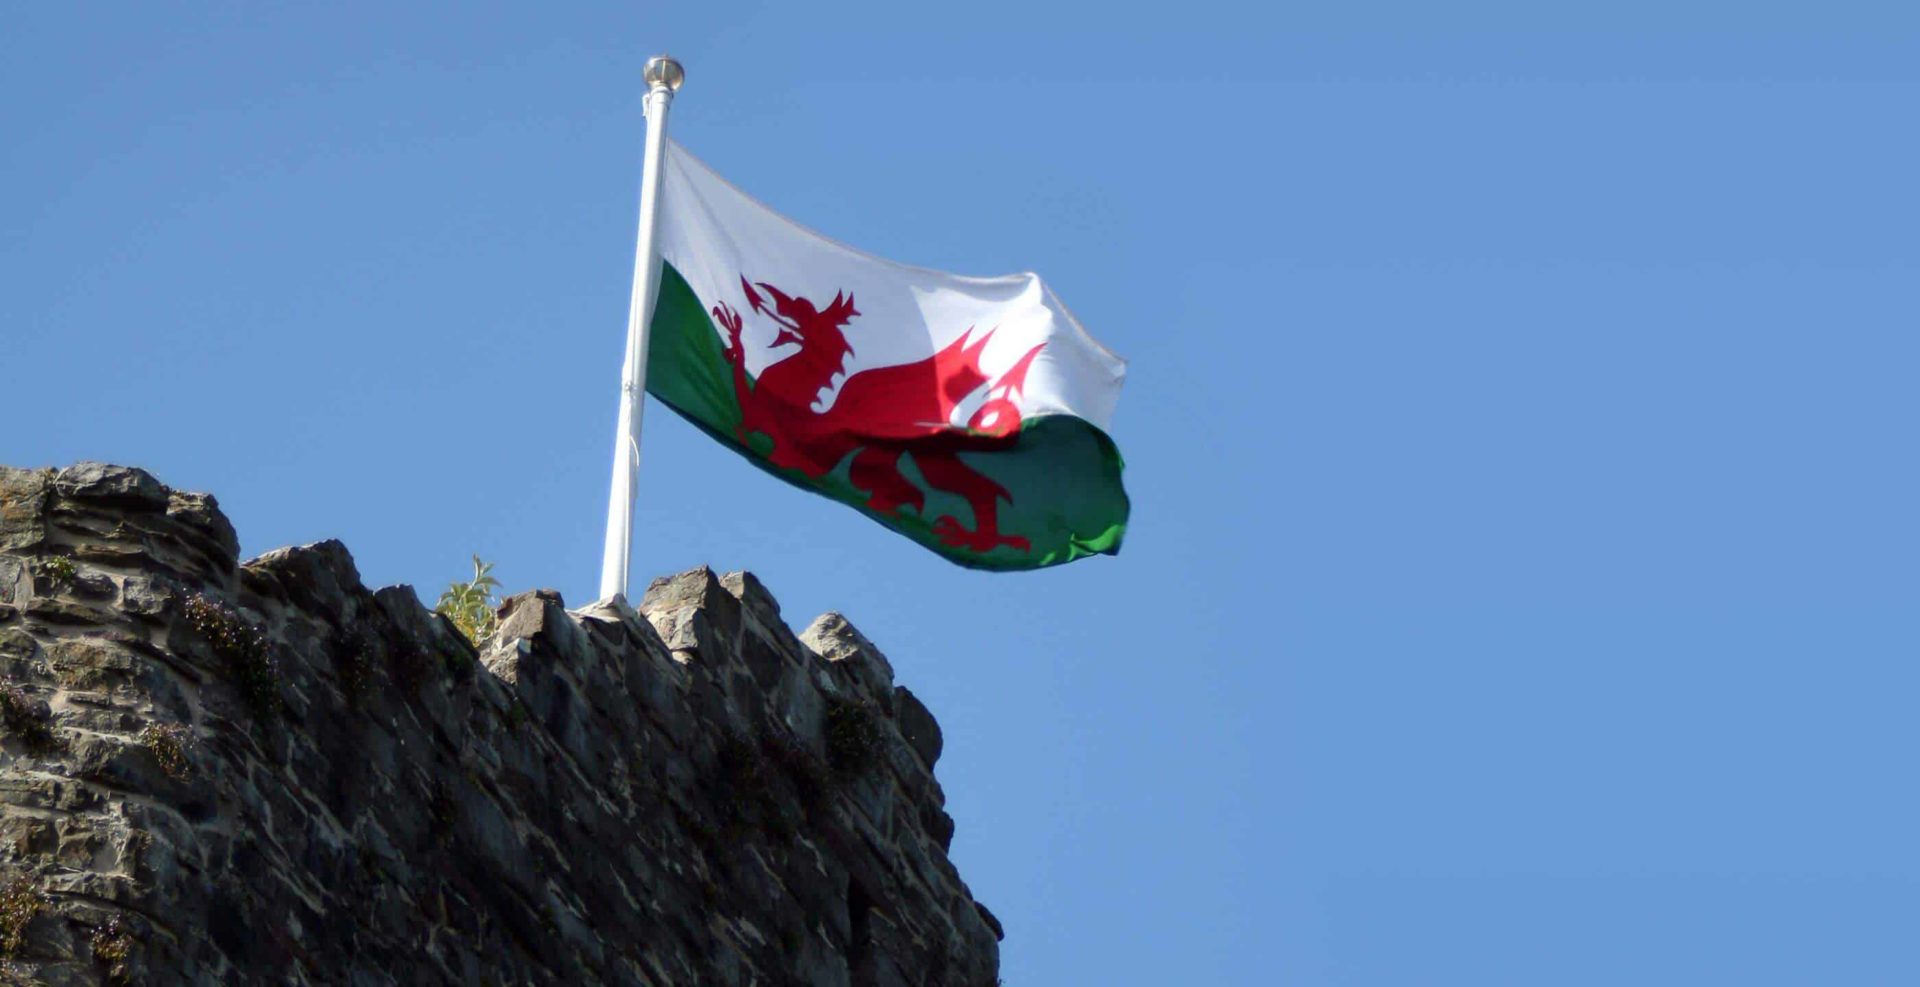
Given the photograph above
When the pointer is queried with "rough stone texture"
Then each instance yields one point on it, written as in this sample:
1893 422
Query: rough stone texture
267 773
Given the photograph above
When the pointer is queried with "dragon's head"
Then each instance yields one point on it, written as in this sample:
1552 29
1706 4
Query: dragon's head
800 321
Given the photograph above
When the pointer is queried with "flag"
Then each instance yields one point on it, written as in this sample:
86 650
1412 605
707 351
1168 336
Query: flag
969 414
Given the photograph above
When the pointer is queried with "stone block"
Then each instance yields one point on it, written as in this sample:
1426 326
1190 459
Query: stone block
123 487
918 726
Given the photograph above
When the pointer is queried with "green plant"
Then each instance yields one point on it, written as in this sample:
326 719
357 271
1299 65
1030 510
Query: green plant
854 742
112 944
59 569
23 718
20 900
170 743
470 605
245 650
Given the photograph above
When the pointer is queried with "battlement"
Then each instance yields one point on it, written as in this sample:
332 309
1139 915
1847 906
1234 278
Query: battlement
216 772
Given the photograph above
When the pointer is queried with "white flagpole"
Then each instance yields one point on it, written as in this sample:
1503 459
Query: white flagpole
663 76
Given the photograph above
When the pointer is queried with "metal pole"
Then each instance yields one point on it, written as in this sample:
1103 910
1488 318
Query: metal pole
663 76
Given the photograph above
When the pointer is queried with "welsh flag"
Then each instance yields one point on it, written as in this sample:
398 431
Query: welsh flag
969 414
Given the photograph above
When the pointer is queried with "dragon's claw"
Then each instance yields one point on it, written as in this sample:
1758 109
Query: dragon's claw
732 322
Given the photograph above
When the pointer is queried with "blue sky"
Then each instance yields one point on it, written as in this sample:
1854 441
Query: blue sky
1521 588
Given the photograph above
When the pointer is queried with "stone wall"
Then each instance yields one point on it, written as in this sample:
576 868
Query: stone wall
213 772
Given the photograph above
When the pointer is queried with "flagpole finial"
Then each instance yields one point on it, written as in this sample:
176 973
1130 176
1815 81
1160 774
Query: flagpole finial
664 72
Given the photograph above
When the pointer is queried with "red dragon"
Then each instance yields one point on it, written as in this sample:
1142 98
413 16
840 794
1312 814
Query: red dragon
878 415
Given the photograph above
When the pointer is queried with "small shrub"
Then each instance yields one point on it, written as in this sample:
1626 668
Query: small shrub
854 741
59 569
112 944
23 719
170 744
248 655
471 605
222 628
20 900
